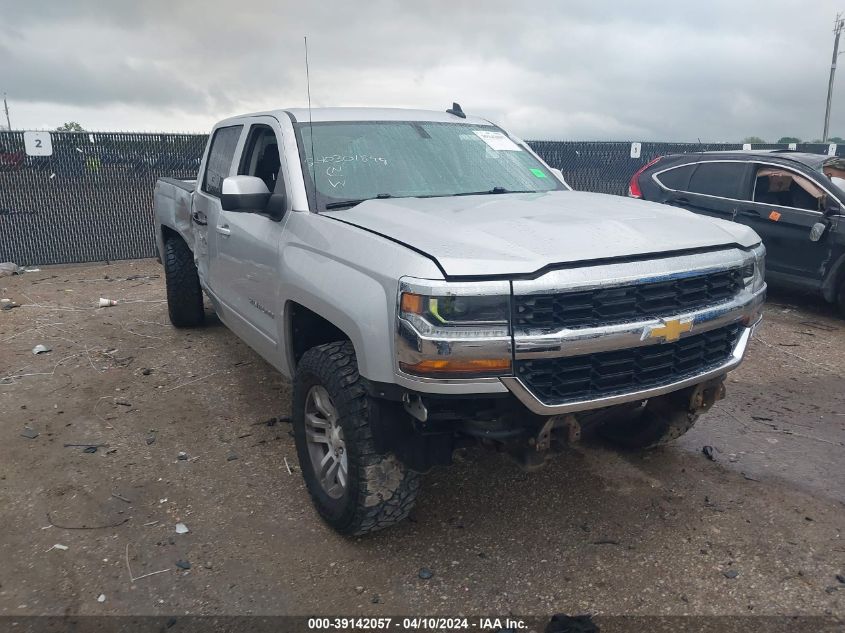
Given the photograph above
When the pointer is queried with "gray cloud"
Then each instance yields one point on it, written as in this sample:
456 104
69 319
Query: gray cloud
663 70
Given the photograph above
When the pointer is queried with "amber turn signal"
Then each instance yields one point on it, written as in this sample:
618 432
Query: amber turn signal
412 303
458 368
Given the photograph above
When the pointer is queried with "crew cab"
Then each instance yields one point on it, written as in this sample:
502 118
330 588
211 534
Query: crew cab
793 200
426 281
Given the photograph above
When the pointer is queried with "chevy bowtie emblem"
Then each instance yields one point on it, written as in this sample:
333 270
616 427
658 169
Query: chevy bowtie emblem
670 330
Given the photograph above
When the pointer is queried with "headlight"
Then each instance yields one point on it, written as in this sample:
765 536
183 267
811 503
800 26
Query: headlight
452 311
754 271
454 336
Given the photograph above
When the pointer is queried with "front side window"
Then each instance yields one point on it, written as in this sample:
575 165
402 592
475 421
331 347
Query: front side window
261 156
354 161
220 155
781 187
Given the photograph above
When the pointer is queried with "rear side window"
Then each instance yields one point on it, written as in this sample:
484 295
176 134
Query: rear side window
677 178
726 180
220 157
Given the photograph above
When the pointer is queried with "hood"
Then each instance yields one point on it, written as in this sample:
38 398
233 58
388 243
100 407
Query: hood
511 234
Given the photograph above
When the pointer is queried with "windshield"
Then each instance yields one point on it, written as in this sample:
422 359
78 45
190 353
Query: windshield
358 161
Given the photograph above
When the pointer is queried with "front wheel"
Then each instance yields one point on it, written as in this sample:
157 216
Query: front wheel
656 422
354 488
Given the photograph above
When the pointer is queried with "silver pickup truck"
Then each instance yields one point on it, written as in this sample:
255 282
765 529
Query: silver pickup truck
426 282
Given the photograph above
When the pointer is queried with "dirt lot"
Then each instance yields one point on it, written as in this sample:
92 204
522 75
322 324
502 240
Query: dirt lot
597 531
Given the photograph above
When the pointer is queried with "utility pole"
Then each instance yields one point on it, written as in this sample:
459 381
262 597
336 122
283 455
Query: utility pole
6 107
838 25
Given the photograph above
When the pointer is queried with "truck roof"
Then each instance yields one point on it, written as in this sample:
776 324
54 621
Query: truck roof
321 115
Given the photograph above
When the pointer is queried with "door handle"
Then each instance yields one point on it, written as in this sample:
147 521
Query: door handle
224 229
198 218
752 212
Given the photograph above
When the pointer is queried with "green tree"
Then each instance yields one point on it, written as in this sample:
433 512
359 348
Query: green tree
788 139
70 126
753 139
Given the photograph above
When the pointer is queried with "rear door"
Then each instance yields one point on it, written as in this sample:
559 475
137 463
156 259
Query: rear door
712 188
784 205
218 164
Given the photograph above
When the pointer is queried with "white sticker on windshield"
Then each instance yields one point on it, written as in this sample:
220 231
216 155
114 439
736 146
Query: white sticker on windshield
497 141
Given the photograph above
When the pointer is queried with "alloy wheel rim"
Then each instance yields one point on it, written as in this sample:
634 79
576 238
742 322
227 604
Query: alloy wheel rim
326 445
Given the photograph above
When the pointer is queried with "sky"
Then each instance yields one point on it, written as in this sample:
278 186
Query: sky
719 70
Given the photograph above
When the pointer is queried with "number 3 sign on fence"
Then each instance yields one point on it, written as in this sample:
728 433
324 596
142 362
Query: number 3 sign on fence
38 143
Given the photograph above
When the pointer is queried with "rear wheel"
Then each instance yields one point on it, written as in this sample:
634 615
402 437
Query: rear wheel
840 297
354 488
184 295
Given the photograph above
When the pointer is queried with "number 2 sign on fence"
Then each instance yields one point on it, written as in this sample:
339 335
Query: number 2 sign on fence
38 143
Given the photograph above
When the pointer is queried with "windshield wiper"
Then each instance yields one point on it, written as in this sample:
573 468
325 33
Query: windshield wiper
341 204
492 191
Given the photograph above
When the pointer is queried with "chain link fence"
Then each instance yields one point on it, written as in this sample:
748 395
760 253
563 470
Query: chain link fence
91 199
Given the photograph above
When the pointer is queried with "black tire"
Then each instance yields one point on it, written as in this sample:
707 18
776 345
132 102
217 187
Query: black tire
659 421
184 295
840 298
379 491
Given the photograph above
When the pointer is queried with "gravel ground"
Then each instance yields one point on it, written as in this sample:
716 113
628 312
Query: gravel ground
757 531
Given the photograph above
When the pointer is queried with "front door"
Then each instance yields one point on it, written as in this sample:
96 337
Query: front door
247 253
783 208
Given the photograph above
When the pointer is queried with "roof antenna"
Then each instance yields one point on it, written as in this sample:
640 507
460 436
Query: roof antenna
456 110
310 124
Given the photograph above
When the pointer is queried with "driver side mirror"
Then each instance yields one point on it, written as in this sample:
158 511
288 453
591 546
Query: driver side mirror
830 206
244 193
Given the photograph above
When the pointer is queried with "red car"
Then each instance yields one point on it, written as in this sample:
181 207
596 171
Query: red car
10 160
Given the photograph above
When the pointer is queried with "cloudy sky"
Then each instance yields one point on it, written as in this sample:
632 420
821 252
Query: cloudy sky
718 70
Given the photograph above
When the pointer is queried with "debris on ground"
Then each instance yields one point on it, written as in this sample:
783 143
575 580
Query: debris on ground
709 452
359 589
8 269
106 303
58 546
101 597
731 573
87 448
183 564
151 439
121 497
840 578
41 349
146 371
181 528
8 304
426 573
231 457
29 433
182 456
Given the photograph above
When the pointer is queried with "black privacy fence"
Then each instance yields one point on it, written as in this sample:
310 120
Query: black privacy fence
69 197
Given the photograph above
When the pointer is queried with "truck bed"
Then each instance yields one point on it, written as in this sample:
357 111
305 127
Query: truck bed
172 203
